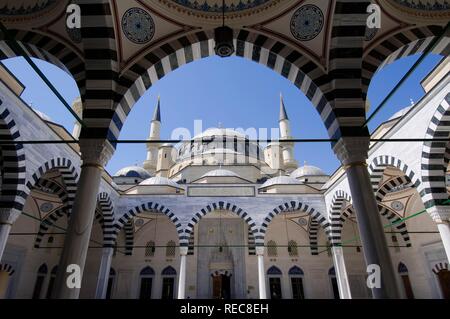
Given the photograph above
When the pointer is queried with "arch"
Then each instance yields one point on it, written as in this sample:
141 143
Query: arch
390 186
12 164
440 267
128 228
68 172
314 236
169 271
106 219
47 223
336 221
402 269
289 207
435 156
284 60
332 271
404 43
296 271
217 206
43 47
380 163
147 271
274 271
390 215
47 185
43 269
7 268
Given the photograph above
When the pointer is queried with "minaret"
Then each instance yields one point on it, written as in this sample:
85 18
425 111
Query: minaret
77 106
155 133
290 163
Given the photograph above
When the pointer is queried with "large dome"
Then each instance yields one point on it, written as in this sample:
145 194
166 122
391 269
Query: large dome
133 171
220 173
307 170
281 180
219 132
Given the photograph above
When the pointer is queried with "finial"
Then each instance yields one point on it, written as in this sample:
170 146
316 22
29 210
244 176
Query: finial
412 102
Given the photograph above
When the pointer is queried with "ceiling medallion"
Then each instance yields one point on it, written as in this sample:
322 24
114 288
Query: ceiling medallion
138 26
397 205
307 22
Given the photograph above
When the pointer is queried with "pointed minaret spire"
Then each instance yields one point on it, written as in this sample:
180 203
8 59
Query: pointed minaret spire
157 112
283 113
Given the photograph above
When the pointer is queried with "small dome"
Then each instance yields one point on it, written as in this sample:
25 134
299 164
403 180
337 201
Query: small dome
307 170
133 171
281 180
220 173
160 181
401 113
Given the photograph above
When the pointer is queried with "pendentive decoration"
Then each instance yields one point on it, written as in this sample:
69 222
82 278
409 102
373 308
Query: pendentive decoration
138 26
224 38
307 22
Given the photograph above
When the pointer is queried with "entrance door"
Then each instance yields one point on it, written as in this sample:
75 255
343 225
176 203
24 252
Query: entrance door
146 288
168 288
275 288
221 287
444 281
297 288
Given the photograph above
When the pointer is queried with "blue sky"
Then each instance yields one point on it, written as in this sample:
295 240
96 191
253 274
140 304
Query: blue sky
234 92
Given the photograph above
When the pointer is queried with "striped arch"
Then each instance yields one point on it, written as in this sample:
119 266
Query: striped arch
7 268
314 236
43 47
390 185
12 165
435 156
336 221
440 267
291 64
69 175
295 206
404 43
105 217
213 207
47 223
389 214
380 163
47 185
127 220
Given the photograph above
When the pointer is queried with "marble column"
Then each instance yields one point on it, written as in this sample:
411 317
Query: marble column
182 277
95 154
441 216
103 273
341 272
352 152
261 273
7 217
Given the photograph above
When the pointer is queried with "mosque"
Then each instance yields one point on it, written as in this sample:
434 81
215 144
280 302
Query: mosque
222 216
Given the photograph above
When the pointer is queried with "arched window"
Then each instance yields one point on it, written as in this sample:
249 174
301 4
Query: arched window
168 282
112 277
170 249
334 284
274 274
272 248
41 274
150 249
293 248
403 272
51 283
146 277
296 277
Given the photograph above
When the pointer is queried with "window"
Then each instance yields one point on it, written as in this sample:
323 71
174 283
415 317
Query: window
150 249
112 276
168 284
403 272
146 277
274 275
42 273
293 248
334 284
170 249
272 248
296 278
51 282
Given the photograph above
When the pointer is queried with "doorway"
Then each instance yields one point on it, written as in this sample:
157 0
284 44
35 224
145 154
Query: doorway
444 281
221 287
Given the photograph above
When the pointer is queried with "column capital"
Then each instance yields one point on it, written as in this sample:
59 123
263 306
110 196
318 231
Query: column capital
184 250
260 250
8 215
440 214
96 152
351 150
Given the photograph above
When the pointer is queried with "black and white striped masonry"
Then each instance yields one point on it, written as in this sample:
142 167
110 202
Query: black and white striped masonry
435 157
184 238
7 268
12 161
340 200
